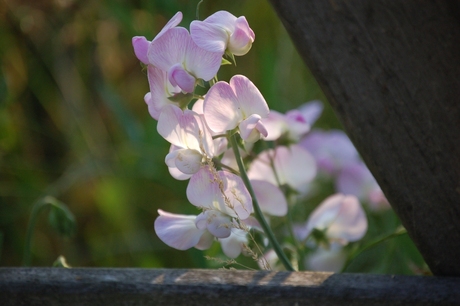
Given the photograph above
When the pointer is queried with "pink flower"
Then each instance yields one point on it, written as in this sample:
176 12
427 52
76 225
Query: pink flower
341 217
291 125
270 198
356 179
181 232
184 62
141 44
293 166
223 31
233 245
160 90
221 191
238 103
332 150
190 136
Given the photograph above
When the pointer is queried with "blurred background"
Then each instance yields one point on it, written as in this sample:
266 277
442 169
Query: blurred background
74 126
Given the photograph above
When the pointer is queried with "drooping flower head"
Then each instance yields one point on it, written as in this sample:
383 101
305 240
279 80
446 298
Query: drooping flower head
236 104
223 31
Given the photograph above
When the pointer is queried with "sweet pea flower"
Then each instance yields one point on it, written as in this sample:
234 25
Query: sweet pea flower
181 231
332 150
238 103
221 191
293 166
233 245
160 91
184 62
223 31
141 44
270 198
291 125
189 134
340 217
311 111
356 179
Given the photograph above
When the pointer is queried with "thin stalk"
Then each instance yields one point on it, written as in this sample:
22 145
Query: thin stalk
267 230
38 206
372 244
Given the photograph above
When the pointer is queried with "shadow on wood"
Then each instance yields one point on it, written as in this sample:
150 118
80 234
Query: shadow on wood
391 71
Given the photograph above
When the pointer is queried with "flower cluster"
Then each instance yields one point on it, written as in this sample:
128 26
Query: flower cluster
212 140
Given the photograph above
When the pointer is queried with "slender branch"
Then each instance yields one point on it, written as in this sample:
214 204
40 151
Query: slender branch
267 230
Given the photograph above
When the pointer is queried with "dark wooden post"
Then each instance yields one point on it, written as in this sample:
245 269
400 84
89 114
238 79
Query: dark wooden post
391 71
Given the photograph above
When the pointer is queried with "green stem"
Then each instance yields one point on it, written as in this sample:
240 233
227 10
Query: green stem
36 209
371 245
267 230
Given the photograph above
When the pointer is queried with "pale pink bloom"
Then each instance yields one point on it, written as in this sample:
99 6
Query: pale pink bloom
185 62
356 179
291 125
341 217
221 191
270 198
238 103
218 224
269 261
327 259
181 232
160 90
190 136
233 245
141 44
293 166
223 31
311 111
332 150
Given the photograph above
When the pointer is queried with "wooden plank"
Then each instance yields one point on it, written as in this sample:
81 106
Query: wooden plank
94 286
391 71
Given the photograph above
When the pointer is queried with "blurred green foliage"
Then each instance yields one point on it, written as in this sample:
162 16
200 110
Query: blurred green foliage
74 126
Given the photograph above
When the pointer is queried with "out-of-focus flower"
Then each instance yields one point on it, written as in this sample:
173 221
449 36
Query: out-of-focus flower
311 111
223 31
270 198
185 62
291 125
332 150
340 217
293 166
238 103
356 179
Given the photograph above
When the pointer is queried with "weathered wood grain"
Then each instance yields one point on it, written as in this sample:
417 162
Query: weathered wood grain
90 286
391 71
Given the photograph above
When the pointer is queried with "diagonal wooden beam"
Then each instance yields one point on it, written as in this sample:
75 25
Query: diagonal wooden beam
391 71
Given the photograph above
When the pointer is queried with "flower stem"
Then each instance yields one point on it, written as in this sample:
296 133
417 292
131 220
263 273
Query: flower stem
260 217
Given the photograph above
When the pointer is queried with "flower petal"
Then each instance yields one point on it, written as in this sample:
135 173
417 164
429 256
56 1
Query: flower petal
174 21
169 49
179 77
141 46
188 161
177 231
220 108
208 36
270 198
250 99
201 63
241 39
232 246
